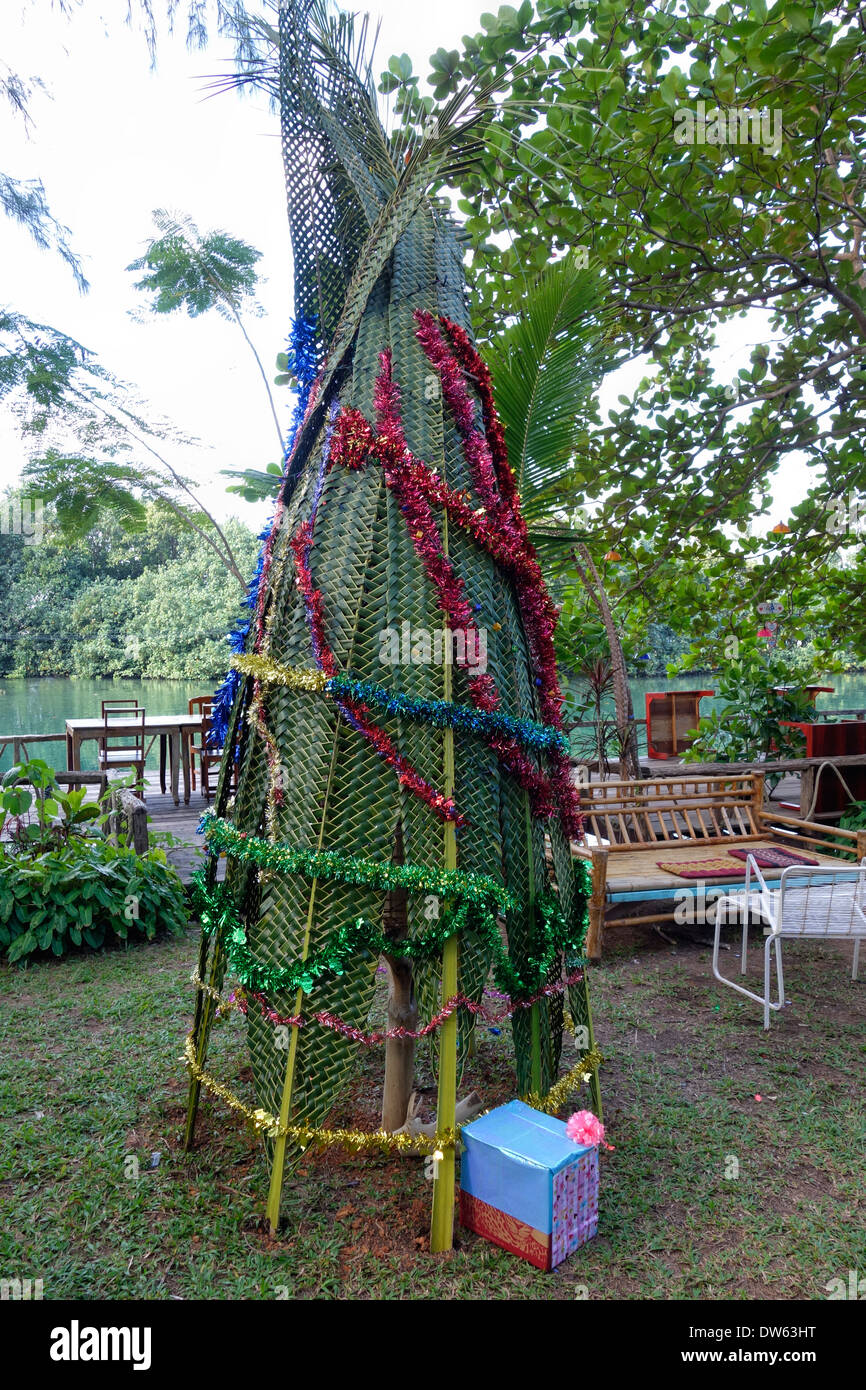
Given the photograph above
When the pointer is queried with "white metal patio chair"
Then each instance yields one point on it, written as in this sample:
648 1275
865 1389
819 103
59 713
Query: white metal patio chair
827 904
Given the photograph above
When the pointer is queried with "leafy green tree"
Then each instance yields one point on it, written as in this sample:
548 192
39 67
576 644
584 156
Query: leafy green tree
87 490
56 387
598 141
185 269
153 603
754 721
25 201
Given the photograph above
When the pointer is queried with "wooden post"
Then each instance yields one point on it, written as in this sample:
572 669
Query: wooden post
534 1013
135 812
126 806
758 799
597 904
861 844
758 793
400 1052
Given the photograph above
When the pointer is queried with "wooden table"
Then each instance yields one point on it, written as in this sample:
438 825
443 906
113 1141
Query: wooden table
175 727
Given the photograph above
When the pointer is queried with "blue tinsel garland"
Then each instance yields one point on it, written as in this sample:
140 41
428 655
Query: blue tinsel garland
303 361
443 714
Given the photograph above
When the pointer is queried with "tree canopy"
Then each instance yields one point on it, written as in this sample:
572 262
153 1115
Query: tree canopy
152 602
627 131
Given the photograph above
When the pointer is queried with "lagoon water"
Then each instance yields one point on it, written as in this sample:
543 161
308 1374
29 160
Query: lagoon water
42 706
35 706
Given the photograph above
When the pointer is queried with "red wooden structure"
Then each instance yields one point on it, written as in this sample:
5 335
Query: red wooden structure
848 737
670 714
813 691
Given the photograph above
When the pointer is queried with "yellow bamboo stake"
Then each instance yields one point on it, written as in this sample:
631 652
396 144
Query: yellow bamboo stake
442 1219
276 1186
534 1012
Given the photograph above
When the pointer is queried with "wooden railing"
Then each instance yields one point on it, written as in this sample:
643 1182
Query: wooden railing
127 813
771 765
19 743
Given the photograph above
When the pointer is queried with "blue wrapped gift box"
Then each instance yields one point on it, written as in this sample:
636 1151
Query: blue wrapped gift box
526 1186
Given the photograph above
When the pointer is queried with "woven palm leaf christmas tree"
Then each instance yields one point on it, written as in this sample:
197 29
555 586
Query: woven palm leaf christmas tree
404 787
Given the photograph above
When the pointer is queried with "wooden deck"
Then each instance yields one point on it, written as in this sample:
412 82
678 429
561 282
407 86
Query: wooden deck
180 821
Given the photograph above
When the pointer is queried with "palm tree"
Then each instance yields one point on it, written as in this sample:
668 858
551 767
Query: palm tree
185 269
544 367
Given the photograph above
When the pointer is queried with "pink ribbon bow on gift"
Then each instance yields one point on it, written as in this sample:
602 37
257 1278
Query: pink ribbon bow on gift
585 1128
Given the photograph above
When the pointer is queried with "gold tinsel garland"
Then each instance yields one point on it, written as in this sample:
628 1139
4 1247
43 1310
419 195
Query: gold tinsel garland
376 1141
269 672
558 1094
356 1140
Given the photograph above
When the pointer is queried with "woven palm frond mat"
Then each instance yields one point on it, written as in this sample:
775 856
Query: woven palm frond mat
721 867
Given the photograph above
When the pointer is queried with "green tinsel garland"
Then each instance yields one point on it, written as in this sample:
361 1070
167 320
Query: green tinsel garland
219 916
221 836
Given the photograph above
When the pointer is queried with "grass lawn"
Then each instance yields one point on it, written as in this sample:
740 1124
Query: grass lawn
91 1078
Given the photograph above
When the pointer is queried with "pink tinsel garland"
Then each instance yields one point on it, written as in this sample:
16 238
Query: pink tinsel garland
374 1039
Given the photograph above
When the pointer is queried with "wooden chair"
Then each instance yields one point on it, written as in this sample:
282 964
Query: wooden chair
130 753
827 904
202 705
131 703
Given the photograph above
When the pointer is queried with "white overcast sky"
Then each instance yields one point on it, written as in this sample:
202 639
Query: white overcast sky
113 139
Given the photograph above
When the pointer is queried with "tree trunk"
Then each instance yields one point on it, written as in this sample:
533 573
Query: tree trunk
402 1008
399 1053
629 764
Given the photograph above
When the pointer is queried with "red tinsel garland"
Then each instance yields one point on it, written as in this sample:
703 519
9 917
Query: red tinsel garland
358 714
487 459
415 485
498 527
536 608
404 476
474 365
352 440
375 1039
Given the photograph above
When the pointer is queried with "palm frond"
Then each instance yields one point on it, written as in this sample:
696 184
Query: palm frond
544 366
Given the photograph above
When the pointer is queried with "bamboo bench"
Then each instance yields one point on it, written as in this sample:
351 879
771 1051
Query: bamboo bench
632 827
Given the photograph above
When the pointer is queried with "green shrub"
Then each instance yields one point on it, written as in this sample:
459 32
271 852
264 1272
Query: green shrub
88 893
854 817
755 720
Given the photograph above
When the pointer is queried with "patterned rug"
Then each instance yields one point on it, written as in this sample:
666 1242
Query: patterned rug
702 868
722 867
773 858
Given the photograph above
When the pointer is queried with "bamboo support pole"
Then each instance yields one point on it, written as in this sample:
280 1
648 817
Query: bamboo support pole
534 1013
594 1084
279 1158
204 1005
442 1217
